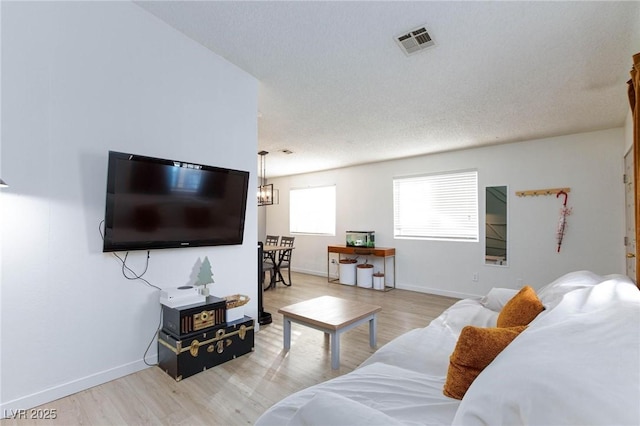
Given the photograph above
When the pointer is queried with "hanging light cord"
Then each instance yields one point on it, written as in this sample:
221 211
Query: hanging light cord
263 167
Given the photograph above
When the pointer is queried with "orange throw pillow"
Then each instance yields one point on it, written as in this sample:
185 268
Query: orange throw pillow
521 309
475 349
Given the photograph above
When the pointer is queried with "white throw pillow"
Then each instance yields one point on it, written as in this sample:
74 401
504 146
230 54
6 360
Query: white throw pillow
497 298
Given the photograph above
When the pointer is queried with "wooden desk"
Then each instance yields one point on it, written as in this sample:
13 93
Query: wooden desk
387 254
331 315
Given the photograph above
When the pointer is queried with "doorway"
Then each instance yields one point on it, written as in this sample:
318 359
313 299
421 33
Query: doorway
630 216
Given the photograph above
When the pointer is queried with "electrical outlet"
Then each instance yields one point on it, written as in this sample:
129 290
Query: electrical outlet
476 277
519 282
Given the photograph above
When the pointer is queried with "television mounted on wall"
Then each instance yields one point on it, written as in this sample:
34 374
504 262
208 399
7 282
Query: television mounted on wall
154 203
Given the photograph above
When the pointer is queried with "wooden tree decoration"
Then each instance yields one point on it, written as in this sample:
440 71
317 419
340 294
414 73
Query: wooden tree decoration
205 276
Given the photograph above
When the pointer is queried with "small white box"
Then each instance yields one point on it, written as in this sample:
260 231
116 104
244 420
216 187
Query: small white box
235 306
234 314
180 296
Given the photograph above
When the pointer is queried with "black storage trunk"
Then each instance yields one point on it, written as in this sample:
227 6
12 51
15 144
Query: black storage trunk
189 320
183 358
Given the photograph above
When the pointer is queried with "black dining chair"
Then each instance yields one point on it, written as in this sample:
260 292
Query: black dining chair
285 259
267 266
271 240
267 261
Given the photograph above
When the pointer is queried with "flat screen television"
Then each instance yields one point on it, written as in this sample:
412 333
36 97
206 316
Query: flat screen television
154 203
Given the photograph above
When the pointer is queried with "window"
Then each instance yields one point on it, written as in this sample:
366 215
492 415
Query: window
438 206
313 210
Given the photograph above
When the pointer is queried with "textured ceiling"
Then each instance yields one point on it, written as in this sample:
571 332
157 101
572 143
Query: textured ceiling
337 90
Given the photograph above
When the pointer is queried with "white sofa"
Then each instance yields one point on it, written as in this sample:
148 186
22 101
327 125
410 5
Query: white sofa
577 363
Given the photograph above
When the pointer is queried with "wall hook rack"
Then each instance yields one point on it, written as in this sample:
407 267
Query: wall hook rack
547 191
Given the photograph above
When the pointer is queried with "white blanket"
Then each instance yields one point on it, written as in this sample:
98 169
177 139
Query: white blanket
426 350
577 364
369 395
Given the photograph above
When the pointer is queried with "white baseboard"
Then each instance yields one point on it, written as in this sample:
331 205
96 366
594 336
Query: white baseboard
308 272
60 391
438 292
409 287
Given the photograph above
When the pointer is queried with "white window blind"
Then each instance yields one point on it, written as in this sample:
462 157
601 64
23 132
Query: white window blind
438 206
313 210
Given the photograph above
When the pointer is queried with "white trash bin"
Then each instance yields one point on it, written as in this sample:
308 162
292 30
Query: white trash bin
347 271
378 281
365 275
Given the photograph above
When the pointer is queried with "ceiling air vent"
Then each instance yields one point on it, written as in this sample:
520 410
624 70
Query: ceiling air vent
414 41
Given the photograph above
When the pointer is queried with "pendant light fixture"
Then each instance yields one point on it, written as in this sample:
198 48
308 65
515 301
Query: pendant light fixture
265 192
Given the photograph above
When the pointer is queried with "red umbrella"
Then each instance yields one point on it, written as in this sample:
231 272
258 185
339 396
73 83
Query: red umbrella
562 224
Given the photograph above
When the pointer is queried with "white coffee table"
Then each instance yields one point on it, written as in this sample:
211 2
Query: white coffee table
333 316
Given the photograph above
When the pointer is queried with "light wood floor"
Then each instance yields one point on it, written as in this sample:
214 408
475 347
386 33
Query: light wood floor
239 391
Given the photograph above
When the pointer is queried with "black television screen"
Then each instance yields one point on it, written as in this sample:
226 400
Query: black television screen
154 203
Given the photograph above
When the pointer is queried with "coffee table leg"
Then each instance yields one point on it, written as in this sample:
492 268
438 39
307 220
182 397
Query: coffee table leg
286 326
335 350
373 332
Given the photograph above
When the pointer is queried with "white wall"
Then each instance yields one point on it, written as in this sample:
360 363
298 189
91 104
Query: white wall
79 79
628 132
590 164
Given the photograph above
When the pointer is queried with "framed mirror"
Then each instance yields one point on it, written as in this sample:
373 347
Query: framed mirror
496 230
